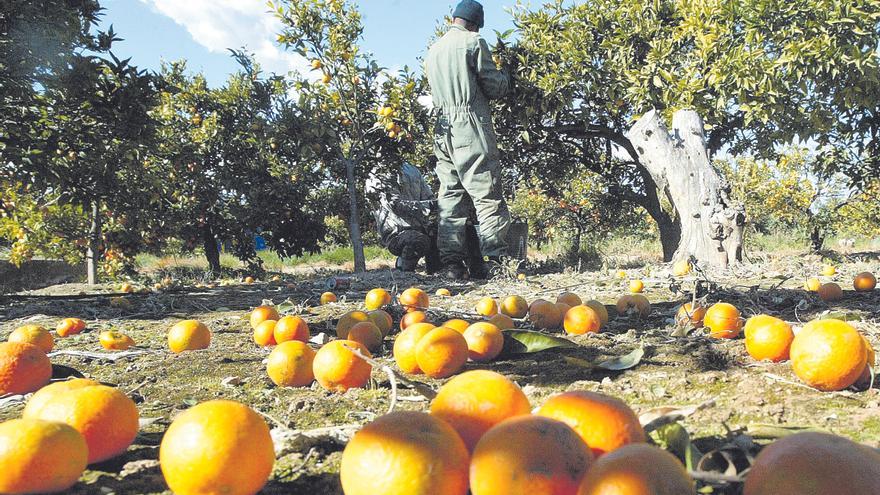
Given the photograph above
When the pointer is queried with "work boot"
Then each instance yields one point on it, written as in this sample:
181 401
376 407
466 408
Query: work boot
478 269
455 271
406 264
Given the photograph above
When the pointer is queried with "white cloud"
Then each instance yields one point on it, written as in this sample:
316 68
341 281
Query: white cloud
221 24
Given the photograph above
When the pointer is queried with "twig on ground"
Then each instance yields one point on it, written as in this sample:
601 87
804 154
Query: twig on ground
423 389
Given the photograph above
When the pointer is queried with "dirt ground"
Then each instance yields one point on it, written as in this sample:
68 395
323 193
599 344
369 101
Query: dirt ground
743 401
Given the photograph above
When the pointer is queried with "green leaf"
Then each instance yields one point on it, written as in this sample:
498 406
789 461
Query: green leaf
676 439
527 342
623 362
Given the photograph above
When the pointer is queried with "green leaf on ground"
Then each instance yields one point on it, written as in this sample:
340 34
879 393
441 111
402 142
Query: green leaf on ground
527 342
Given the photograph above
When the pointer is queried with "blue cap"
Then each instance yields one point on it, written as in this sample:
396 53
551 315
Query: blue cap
470 10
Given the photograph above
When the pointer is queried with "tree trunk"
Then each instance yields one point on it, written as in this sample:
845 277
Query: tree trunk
817 240
212 254
354 219
711 224
94 244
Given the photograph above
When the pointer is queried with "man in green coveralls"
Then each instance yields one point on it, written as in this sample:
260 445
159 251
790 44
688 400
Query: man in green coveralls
463 77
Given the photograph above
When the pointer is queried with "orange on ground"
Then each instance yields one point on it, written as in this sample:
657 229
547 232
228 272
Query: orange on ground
264 334
33 334
70 326
106 417
828 355
502 321
582 319
768 338
864 379
865 282
514 307
290 364
829 270
382 320
291 328
633 304
412 318
604 423
414 299
443 292
637 469
405 347
113 340
458 325
811 463
812 285
544 314
24 368
441 353
367 333
636 286
563 309
349 320
327 298
219 446
188 335
263 313
487 306
600 310
405 453
529 455
569 298
484 341
127 288
687 315
42 396
377 299
40 456
723 321
475 401
338 369
830 292
681 268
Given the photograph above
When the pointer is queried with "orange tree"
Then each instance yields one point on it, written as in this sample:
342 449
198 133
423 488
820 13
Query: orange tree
361 119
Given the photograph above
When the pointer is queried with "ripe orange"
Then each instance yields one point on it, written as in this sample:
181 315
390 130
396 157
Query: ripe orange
514 307
475 401
636 304
864 282
382 320
40 456
42 396
113 340
249 280
458 325
126 288
367 333
829 270
290 364
768 338
600 310
70 326
637 469
688 315
349 320
864 379
681 268
414 299
563 309
636 286
24 368
812 285
219 446
106 417
338 369
443 292
188 335
811 463
327 298
33 334
376 299
544 314
723 321
604 423
405 347
484 341
412 318
264 334
569 298
405 453
830 292
291 328
502 321
441 353
828 354
263 313
487 306
529 455
582 319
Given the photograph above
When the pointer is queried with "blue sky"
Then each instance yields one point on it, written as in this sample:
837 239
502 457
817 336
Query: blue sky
396 31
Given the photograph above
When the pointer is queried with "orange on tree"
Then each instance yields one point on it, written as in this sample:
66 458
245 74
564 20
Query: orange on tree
414 299
475 401
338 369
441 353
367 333
70 326
42 396
405 453
529 455
812 285
264 334
569 298
688 315
723 321
106 417
768 338
828 354
635 304
33 334
405 347
637 469
636 286
830 292
263 313
316 64
349 320
582 319
811 463
864 282
487 306
514 307
113 340
382 320
40 456
219 446
290 364
484 341
377 299
188 335
502 321
600 310
603 422
456 324
544 314
24 368
327 298
412 318
291 328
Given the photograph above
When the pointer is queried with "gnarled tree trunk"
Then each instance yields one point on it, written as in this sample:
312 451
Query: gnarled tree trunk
678 161
354 219
212 254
